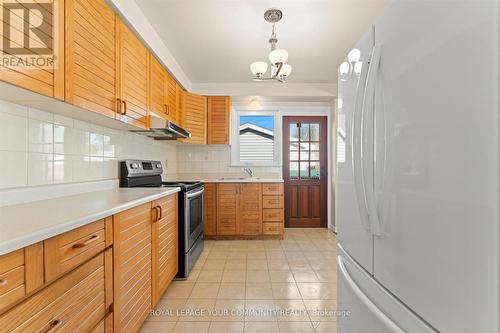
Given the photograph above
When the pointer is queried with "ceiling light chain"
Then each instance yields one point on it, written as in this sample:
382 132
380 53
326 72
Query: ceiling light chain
280 70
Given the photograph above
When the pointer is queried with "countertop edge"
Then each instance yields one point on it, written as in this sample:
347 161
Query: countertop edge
38 236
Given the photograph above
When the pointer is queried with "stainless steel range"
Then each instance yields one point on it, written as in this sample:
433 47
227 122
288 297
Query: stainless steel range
138 173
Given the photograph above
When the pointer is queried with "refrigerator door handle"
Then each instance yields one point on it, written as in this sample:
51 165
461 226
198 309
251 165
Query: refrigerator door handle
357 147
393 327
368 104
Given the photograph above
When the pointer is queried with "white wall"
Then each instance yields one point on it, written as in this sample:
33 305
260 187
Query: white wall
42 148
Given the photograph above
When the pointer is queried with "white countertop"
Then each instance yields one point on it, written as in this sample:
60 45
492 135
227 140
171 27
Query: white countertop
28 223
242 180
225 178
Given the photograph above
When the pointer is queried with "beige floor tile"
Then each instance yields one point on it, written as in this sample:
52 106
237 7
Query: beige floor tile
234 276
281 276
325 327
217 255
256 255
197 310
229 310
236 264
260 310
262 290
178 290
326 275
193 275
278 264
291 310
167 310
237 255
191 327
232 291
258 276
256 264
226 327
275 255
285 291
214 264
304 276
318 290
299 264
261 327
321 310
296 327
157 327
210 276
205 290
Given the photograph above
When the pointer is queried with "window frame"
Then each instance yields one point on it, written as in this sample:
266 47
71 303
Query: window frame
235 137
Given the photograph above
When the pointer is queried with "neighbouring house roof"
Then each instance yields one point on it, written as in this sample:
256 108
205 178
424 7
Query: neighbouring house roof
245 128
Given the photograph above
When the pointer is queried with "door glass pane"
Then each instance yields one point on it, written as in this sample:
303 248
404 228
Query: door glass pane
315 171
294 132
304 155
314 132
315 146
314 156
294 170
294 146
304 132
304 170
294 155
304 146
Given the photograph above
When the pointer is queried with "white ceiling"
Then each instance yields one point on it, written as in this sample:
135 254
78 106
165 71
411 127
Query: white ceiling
216 40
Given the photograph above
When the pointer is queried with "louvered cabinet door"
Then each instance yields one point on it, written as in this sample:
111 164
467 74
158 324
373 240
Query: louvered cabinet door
165 244
227 209
133 79
132 268
194 117
210 207
173 99
45 77
250 209
158 102
218 119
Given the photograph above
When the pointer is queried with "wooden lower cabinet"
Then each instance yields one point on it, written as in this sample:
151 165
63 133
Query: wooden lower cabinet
165 248
250 209
210 209
227 209
75 303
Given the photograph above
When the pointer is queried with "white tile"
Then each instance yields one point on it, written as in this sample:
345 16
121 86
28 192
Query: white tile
13 109
40 115
64 140
80 142
13 169
13 132
96 141
63 168
110 168
40 136
40 169
81 125
96 168
64 121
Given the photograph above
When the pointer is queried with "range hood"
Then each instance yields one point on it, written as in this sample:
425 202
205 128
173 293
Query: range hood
162 129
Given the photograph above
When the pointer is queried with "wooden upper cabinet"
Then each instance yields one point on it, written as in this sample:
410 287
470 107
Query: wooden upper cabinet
132 268
91 56
210 209
165 238
218 119
173 99
133 60
158 90
194 117
250 209
47 79
227 209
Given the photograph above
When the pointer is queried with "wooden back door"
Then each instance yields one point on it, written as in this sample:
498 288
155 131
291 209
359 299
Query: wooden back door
305 165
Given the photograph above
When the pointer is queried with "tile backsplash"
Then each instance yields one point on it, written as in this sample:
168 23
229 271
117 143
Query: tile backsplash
214 159
41 148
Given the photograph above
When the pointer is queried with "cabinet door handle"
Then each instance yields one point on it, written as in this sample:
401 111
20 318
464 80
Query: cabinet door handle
3 282
124 107
119 106
89 241
53 325
167 109
161 212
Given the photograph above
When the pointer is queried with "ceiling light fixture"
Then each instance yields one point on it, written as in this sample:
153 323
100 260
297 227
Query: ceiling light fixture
280 70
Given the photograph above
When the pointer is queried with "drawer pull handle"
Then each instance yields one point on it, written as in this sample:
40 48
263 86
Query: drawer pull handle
91 240
161 212
3 282
54 324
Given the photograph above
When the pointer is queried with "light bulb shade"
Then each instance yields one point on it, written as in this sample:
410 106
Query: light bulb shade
358 67
258 67
286 69
278 55
344 68
354 55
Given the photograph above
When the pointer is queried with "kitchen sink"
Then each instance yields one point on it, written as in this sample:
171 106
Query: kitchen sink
239 178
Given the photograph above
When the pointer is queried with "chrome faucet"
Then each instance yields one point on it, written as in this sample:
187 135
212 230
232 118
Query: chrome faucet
249 172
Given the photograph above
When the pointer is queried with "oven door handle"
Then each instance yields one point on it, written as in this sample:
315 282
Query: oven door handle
194 194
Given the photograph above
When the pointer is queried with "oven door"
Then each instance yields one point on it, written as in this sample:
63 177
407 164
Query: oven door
193 223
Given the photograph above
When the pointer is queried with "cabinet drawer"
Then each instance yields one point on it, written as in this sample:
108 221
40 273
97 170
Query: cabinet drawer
272 215
74 303
66 251
269 201
274 228
11 260
272 189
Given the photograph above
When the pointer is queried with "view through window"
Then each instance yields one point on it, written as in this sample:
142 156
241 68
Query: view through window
256 134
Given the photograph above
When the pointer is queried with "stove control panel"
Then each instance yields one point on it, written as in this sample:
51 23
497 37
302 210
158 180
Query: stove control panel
138 168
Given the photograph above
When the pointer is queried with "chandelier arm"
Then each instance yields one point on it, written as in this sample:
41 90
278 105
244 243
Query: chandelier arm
280 65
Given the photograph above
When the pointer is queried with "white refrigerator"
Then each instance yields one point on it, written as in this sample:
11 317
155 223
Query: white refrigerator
418 189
